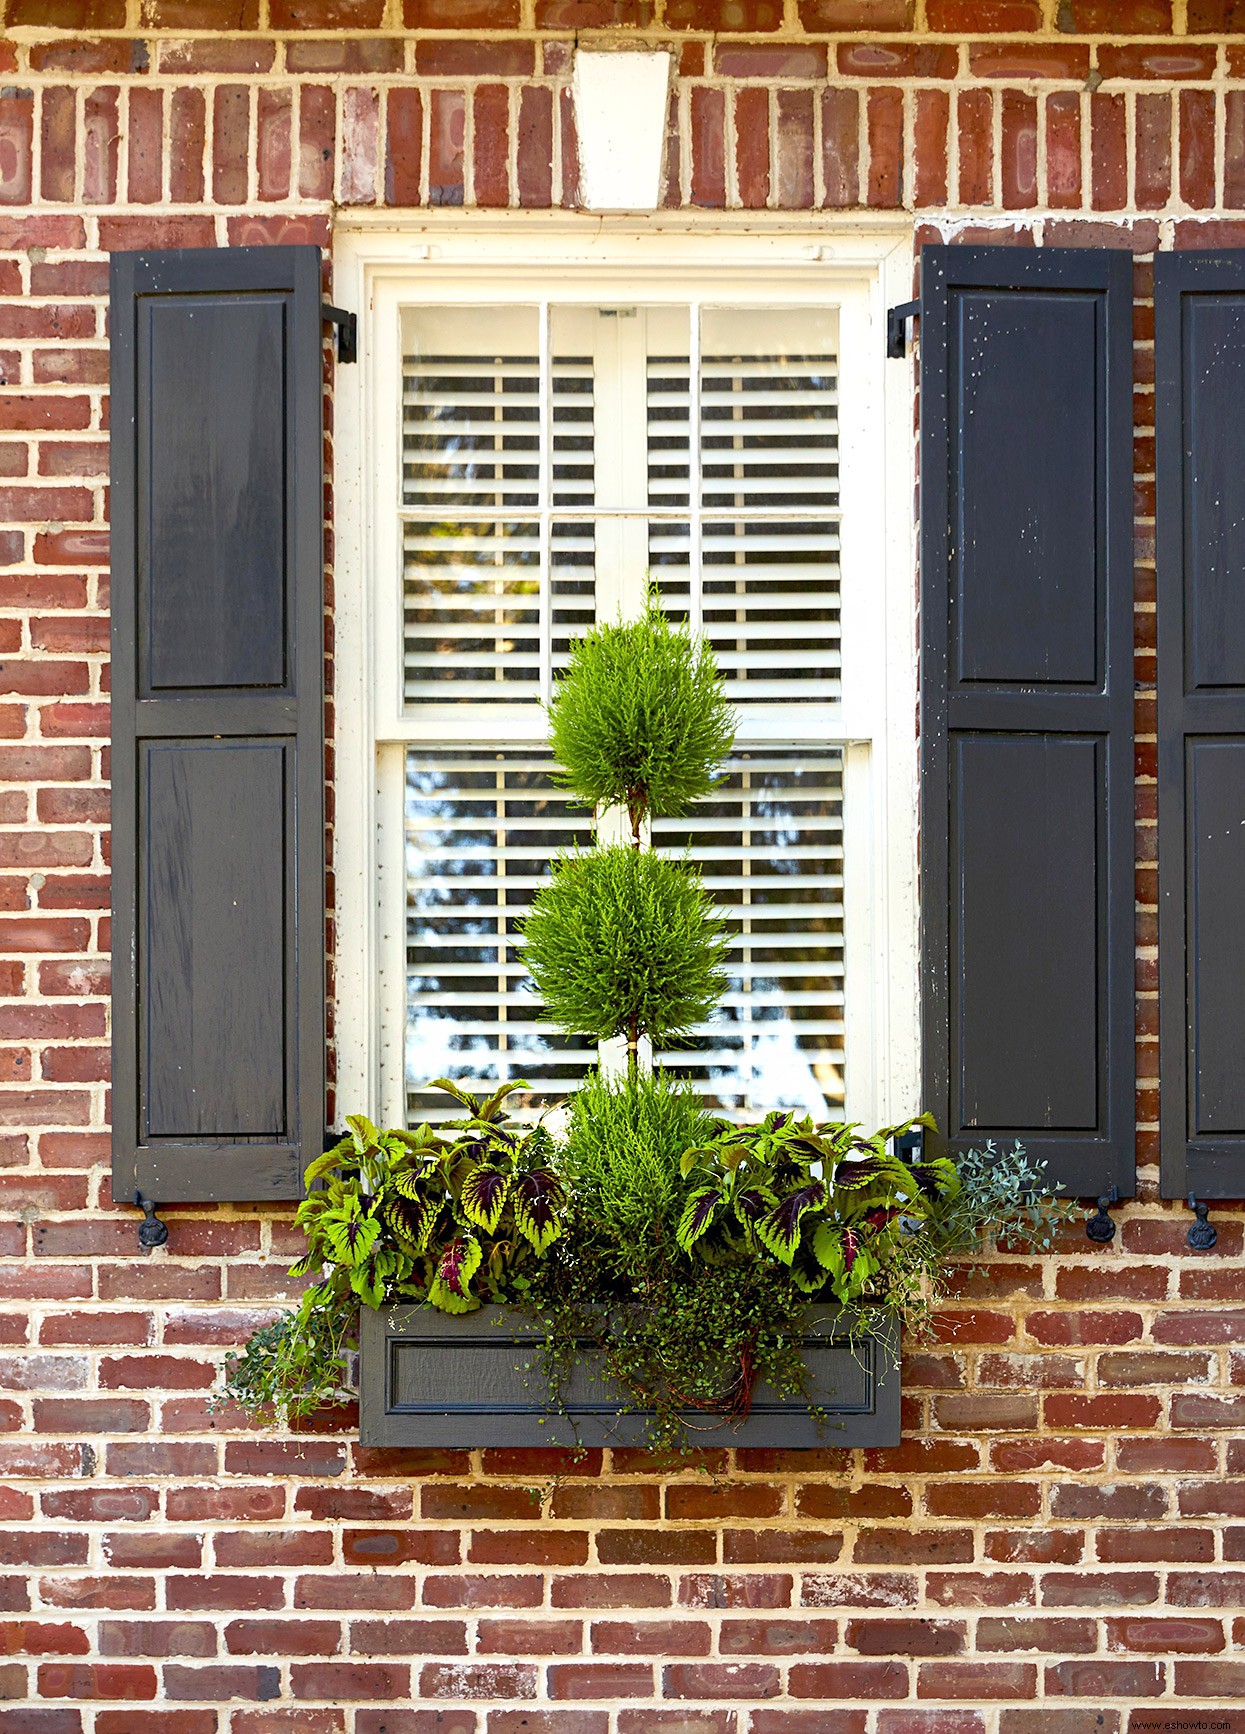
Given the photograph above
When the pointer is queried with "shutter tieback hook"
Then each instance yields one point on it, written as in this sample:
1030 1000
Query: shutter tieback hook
151 1231
1202 1234
1100 1226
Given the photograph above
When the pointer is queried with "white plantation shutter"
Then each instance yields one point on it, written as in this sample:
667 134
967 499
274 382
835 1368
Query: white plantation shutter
768 597
480 829
548 476
491 588
769 844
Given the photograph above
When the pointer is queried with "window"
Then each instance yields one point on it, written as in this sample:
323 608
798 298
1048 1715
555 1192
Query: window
537 441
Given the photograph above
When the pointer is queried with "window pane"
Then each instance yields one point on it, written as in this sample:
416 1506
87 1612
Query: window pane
480 829
769 589
492 590
770 845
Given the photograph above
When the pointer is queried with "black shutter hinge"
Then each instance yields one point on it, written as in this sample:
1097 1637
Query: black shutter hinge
897 328
1100 1226
1202 1234
347 330
151 1231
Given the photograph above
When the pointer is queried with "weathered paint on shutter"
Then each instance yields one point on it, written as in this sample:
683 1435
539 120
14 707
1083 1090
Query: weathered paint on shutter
217 720
1200 461
1026 707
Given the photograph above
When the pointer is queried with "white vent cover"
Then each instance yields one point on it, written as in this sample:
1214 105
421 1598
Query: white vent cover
620 120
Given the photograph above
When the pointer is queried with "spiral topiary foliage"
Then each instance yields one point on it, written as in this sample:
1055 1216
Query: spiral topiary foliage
639 719
623 942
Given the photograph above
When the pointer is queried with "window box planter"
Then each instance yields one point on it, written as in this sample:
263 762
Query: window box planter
427 1379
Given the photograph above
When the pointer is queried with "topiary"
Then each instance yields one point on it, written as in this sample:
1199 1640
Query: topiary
640 720
620 941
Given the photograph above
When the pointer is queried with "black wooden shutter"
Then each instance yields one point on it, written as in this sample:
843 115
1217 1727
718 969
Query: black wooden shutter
1026 710
217 723
1200 435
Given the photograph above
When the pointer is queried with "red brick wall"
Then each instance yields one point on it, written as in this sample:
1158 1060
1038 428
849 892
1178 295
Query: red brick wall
1057 1541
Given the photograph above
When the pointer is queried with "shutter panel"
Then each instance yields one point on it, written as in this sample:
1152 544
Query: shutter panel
218 721
1200 461
1026 709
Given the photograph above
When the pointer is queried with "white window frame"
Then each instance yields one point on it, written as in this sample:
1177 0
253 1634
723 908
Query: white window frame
860 265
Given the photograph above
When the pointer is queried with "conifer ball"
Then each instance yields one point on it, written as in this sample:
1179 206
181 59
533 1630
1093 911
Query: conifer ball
639 719
620 940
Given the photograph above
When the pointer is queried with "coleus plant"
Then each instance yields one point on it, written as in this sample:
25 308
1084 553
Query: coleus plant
825 1201
450 1216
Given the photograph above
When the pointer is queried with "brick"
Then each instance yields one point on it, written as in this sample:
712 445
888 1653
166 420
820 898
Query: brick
751 1680
840 147
447 126
738 1637
577 1680
910 1637
59 143
1085 1589
404 146
932 109
86 1680
975 109
273 143
976 1681
832 15
1018 155
17 111
848 1679
885 125
101 137
478 1591
360 145
316 141
793 165
708 121
1164 1635
752 147
994 1589
611 1590
960 17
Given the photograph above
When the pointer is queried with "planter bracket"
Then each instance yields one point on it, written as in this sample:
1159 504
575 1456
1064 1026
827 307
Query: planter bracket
151 1231
1202 1235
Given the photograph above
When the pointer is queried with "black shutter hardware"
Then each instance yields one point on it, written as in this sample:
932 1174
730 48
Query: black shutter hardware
218 724
1026 707
347 325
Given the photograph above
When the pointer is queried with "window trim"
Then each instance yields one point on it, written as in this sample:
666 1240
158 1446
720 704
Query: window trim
865 264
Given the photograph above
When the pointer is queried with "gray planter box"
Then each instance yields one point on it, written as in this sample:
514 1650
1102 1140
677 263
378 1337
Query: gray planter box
425 1379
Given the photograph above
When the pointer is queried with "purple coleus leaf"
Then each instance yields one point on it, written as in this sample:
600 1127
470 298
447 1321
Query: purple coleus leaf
751 1204
779 1229
457 1262
537 1198
698 1215
483 1196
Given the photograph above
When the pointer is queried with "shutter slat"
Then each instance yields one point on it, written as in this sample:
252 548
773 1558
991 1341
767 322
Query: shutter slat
1200 454
1026 730
217 723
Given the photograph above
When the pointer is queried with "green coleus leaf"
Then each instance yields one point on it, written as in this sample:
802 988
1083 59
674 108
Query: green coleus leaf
536 1199
369 1284
339 1156
349 1234
366 1136
751 1203
411 1179
304 1266
411 1220
492 1108
698 1215
483 1196
780 1228
457 1263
